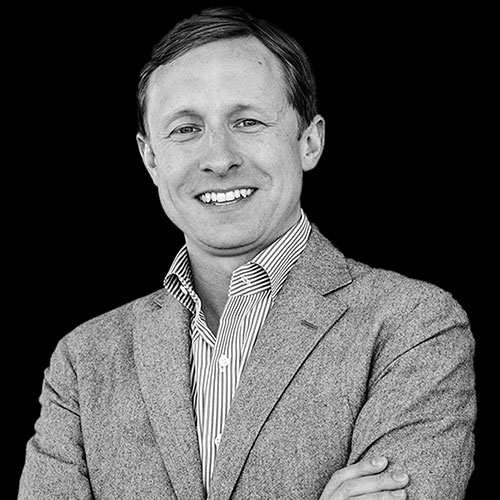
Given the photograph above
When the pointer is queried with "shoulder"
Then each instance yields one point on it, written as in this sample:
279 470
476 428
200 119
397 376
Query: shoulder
392 291
399 313
110 333
384 299
385 288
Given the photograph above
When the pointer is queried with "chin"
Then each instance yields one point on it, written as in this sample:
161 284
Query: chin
234 242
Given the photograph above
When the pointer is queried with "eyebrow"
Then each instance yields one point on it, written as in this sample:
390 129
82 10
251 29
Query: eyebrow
247 107
170 117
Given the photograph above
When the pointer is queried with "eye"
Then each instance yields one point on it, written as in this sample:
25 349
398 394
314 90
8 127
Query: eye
184 130
248 123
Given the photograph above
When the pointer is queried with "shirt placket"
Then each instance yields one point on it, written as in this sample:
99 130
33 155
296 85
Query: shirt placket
218 390
224 368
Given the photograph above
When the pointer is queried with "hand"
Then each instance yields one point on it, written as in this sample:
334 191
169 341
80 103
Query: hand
366 481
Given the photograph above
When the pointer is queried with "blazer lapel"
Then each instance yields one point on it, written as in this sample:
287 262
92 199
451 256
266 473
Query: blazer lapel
163 363
300 317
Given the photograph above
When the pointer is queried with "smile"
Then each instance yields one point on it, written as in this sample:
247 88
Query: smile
226 197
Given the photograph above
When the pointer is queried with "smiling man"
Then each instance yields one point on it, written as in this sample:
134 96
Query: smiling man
227 154
269 365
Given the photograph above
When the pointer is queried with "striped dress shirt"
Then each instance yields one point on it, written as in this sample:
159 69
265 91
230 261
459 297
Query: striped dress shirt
218 360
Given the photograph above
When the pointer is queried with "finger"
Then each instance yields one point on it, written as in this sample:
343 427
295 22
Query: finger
360 469
386 495
375 484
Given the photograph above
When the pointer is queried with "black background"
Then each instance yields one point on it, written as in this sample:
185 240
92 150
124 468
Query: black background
404 183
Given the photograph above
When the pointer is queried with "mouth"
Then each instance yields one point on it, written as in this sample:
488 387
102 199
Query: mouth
222 198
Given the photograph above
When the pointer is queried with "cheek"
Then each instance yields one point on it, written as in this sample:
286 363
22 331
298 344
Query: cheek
171 199
174 172
274 148
168 184
283 163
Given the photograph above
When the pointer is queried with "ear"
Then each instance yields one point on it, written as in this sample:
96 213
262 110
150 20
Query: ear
148 156
312 143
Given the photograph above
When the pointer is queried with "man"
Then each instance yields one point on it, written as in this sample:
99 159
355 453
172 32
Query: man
269 365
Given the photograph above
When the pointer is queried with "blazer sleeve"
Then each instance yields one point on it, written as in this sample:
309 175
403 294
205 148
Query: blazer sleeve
420 406
55 464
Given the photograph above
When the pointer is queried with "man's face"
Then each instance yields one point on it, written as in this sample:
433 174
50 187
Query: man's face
223 147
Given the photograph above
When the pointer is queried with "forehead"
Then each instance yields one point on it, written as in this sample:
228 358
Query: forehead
240 69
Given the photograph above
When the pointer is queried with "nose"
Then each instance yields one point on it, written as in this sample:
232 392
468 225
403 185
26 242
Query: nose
220 153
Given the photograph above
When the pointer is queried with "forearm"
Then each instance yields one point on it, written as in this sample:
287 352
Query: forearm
420 410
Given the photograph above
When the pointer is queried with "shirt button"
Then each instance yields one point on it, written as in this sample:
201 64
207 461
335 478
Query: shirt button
245 280
223 361
217 439
183 290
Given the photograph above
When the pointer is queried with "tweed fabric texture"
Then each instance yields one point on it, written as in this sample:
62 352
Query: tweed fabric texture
373 363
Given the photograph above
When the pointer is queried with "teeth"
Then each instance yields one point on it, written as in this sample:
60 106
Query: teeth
226 197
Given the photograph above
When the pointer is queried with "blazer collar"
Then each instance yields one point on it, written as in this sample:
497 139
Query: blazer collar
162 355
322 266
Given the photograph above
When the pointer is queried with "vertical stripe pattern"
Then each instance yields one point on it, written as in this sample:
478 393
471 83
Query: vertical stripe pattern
218 360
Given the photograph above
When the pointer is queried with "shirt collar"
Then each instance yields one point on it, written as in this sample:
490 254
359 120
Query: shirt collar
278 258
180 267
276 261
179 280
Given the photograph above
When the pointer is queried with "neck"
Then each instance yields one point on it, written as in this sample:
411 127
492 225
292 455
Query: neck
211 279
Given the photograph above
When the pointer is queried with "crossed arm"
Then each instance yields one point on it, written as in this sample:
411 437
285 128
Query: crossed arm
419 412
417 420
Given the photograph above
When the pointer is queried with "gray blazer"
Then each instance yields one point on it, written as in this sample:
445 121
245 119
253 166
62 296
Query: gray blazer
351 362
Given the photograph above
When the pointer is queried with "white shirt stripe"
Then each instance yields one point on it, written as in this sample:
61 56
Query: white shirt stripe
218 361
